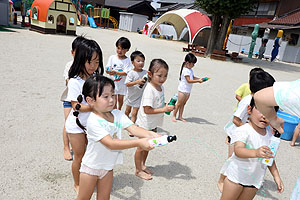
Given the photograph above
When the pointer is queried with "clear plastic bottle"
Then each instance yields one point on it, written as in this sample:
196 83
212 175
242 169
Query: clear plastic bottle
274 145
145 77
163 140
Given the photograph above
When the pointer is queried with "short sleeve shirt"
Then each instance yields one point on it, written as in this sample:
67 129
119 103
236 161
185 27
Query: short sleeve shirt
155 99
134 93
247 171
119 65
184 86
97 155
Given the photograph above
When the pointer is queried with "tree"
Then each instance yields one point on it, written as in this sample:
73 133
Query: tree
222 12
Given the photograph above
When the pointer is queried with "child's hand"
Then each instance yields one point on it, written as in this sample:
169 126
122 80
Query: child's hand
140 82
280 187
145 145
277 123
264 152
154 135
200 81
169 108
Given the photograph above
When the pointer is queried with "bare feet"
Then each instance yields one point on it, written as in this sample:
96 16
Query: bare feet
76 188
148 171
67 154
220 186
143 175
174 119
181 119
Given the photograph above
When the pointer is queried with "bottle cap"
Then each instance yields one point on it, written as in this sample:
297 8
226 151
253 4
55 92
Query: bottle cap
172 138
276 134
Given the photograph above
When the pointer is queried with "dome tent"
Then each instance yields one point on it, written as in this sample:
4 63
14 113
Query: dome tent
194 20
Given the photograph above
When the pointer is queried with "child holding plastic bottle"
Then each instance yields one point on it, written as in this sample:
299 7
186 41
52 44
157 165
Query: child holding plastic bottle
187 79
104 136
152 109
135 84
87 61
67 104
286 95
118 66
244 170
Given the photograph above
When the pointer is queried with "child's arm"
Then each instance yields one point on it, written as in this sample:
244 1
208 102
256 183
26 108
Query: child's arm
113 72
239 98
237 121
193 81
242 152
274 171
83 107
150 110
140 132
265 102
125 144
137 82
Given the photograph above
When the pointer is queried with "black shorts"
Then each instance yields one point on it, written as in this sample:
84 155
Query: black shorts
250 186
229 139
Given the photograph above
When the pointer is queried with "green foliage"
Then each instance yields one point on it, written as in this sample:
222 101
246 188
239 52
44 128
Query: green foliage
232 8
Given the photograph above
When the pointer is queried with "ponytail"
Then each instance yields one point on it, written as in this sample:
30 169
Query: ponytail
76 112
181 70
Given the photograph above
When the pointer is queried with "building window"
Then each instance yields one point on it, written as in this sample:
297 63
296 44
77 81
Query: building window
50 19
34 14
293 39
71 21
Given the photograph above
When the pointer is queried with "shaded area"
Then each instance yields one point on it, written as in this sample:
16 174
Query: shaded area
198 120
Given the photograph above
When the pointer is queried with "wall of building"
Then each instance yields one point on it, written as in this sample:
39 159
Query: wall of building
4 12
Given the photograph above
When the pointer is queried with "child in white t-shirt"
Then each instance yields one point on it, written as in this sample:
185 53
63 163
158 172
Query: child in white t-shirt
152 109
258 81
244 170
66 103
104 136
135 84
118 67
187 79
286 95
87 61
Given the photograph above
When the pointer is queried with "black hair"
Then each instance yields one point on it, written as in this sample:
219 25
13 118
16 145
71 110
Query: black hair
123 42
92 86
77 42
156 64
252 105
84 53
255 70
260 80
191 58
135 54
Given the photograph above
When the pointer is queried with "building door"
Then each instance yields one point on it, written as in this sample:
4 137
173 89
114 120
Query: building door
61 24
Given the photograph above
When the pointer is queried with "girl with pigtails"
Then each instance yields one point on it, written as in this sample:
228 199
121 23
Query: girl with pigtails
87 61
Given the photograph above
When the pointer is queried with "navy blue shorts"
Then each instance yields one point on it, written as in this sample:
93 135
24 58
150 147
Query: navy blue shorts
67 104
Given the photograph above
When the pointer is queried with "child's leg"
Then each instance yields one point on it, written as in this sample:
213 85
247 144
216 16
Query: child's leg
104 186
134 114
220 183
180 101
128 110
186 97
78 143
87 186
296 134
67 153
231 190
120 101
248 193
138 160
265 102
145 169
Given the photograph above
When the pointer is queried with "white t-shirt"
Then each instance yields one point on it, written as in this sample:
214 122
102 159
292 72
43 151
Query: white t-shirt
247 171
67 68
97 155
122 66
74 90
241 112
287 96
134 93
66 76
156 99
184 86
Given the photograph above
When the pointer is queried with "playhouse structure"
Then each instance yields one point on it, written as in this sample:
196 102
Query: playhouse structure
53 16
194 20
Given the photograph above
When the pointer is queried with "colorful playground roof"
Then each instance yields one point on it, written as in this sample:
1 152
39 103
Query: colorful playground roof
42 6
194 20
